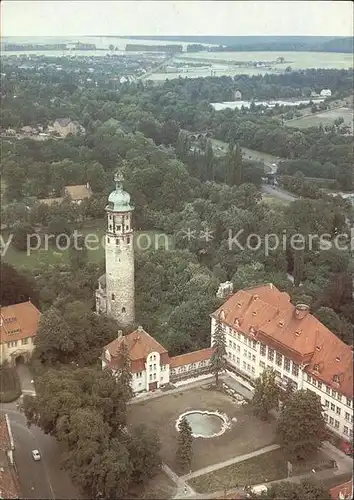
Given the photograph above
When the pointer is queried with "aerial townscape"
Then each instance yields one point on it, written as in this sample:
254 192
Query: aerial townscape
177 250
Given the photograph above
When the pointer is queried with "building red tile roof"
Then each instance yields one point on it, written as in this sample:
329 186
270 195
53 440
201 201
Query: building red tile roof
266 314
18 321
191 357
343 491
140 345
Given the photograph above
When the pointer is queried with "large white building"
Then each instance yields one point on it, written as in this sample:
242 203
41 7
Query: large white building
263 329
115 293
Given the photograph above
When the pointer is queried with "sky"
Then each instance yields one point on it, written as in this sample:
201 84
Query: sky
100 17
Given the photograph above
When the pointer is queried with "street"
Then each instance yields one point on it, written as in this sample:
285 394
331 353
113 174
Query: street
279 193
44 478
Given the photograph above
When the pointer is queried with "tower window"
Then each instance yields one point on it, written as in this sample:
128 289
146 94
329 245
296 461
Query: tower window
126 227
123 309
117 241
110 227
113 296
119 228
110 216
128 240
108 240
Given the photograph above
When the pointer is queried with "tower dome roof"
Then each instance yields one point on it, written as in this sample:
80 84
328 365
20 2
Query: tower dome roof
119 200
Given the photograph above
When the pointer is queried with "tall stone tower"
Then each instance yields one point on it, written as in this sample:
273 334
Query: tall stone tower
115 294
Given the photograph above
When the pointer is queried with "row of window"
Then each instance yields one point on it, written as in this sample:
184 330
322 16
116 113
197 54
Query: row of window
348 417
247 354
118 227
13 343
332 392
245 366
117 240
279 360
242 338
186 368
336 424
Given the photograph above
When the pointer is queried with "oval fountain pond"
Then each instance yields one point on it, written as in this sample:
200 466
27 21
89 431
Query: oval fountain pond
205 424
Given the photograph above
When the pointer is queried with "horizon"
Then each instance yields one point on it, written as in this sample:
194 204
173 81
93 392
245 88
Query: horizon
192 18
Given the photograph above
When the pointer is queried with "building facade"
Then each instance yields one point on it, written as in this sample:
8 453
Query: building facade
264 330
115 293
151 366
18 328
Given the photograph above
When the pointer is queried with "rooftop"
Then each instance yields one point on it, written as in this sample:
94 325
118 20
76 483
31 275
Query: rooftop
18 321
191 357
342 491
266 313
140 344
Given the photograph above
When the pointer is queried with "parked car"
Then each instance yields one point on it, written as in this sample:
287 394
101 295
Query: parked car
36 455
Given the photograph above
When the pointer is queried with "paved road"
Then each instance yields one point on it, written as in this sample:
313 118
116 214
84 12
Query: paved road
279 193
42 479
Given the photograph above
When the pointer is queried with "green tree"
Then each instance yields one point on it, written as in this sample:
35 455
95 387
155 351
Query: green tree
22 239
288 393
266 393
78 255
184 451
301 427
218 360
124 374
16 287
54 339
144 451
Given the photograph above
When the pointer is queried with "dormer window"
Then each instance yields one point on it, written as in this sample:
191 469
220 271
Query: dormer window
297 333
316 368
318 348
336 379
337 359
281 323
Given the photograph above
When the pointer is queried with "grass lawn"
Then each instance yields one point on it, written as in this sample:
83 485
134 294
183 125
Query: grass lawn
261 469
142 241
246 434
160 486
325 118
274 201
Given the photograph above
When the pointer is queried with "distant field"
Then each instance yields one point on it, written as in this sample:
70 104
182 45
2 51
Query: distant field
297 60
326 118
142 241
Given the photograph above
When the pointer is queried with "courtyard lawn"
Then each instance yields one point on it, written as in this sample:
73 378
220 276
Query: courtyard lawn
325 118
261 469
245 435
142 241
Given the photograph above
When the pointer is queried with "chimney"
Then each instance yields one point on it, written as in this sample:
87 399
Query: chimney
140 328
301 310
120 334
255 297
